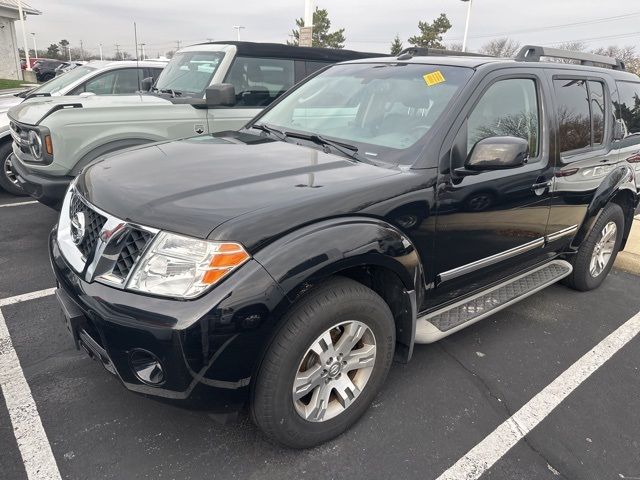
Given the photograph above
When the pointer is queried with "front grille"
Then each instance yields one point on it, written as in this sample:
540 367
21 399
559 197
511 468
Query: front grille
20 137
133 246
93 225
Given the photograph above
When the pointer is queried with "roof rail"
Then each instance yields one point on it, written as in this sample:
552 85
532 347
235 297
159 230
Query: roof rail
533 53
411 52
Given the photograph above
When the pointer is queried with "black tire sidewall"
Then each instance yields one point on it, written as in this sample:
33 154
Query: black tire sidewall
581 278
5 183
272 404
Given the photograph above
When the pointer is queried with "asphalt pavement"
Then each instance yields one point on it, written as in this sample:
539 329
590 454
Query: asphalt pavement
431 412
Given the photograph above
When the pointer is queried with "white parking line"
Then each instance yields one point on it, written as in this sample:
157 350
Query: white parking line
481 457
27 296
18 204
33 444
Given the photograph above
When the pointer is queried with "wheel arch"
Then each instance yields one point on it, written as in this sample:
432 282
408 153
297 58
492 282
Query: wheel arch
618 187
109 147
369 251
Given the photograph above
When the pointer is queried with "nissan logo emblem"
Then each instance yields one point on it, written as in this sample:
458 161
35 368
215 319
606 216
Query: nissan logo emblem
78 225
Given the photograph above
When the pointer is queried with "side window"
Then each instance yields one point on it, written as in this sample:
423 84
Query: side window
155 72
259 81
127 81
315 66
101 84
628 107
507 108
581 113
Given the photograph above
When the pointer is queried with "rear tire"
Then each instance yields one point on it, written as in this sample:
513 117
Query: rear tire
348 372
598 251
7 178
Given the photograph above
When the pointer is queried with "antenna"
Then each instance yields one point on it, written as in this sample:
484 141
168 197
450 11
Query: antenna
135 37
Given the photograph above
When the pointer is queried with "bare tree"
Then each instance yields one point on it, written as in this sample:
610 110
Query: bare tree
627 54
500 47
454 47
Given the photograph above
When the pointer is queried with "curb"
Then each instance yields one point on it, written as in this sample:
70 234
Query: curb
629 260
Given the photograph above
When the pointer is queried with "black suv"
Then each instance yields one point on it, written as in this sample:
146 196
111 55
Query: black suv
379 204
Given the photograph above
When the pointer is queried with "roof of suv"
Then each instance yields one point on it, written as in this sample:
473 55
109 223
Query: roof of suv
125 63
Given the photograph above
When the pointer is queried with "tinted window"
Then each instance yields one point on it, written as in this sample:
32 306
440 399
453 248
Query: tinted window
100 84
573 114
628 107
259 81
315 66
596 91
507 108
127 81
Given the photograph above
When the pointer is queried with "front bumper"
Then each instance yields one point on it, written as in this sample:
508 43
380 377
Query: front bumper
44 188
208 347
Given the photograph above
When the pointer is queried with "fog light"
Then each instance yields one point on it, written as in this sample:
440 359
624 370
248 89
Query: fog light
146 367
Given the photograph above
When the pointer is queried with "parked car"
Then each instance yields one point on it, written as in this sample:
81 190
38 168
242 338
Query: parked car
185 101
287 264
45 69
67 66
96 77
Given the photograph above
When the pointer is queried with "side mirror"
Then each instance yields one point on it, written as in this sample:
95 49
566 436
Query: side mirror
619 130
495 153
222 95
146 84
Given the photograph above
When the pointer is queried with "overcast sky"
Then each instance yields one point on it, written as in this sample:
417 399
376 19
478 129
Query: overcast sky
370 25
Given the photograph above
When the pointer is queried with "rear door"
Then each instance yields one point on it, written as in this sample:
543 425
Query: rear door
493 224
257 82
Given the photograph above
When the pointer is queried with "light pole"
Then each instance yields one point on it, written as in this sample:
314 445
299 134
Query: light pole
100 45
24 36
238 28
35 45
142 48
466 26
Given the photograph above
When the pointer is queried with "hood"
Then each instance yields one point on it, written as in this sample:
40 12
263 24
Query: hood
6 102
194 185
32 111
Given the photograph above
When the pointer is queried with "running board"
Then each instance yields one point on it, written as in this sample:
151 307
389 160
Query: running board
441 323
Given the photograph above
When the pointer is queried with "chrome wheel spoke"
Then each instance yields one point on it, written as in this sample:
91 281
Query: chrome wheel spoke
603 249
317 408
346 391
323 347
351 335
307 381
362 358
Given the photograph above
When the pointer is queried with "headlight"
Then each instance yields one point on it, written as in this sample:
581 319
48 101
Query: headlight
35 144
185 267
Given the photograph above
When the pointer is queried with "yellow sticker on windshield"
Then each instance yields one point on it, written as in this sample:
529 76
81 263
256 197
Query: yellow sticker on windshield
434 78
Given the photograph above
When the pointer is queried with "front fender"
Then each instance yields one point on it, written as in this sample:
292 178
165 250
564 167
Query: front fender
328 247
621 180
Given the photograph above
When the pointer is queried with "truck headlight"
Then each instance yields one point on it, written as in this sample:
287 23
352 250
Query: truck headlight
35 144
184 267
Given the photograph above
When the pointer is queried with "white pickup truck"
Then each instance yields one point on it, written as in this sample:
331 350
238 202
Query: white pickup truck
204 89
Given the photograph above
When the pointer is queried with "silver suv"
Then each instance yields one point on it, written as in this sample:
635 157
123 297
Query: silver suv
96 77
204 89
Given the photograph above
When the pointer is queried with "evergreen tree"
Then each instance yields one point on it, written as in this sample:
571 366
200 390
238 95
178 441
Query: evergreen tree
431 33
321 35
396 45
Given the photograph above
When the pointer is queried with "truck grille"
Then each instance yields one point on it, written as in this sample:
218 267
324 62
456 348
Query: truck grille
93 225
134 244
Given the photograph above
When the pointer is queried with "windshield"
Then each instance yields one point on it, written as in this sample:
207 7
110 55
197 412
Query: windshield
189 73
383 109
56 84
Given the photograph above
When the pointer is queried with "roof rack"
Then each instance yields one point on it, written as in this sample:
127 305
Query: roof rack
533 53
411 52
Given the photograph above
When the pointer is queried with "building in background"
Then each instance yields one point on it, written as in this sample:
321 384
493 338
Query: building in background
9 58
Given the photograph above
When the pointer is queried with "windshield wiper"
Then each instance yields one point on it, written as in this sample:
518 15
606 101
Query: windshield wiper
265 128
346 149
170 91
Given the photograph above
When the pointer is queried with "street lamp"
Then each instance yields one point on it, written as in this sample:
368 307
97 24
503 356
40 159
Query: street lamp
466 26
238 28
35 45
142 48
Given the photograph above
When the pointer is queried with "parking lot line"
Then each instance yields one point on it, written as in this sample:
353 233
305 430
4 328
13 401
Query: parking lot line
18 204
27 296
33 444
481 457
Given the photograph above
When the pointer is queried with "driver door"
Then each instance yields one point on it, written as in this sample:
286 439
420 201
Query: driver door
492 224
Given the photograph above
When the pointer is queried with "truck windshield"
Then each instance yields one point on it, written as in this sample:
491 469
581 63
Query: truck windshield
382 109
56 84
189 73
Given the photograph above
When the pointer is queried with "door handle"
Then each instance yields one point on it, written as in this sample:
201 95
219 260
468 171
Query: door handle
542 185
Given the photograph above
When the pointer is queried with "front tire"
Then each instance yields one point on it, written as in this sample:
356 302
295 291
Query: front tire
325 365
598 251
7 175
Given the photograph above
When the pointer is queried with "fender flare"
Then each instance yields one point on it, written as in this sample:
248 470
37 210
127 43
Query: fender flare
621 179
106 148
317 251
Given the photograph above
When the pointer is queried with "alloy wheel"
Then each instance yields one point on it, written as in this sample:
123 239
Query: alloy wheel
334 371
603 249
7 170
